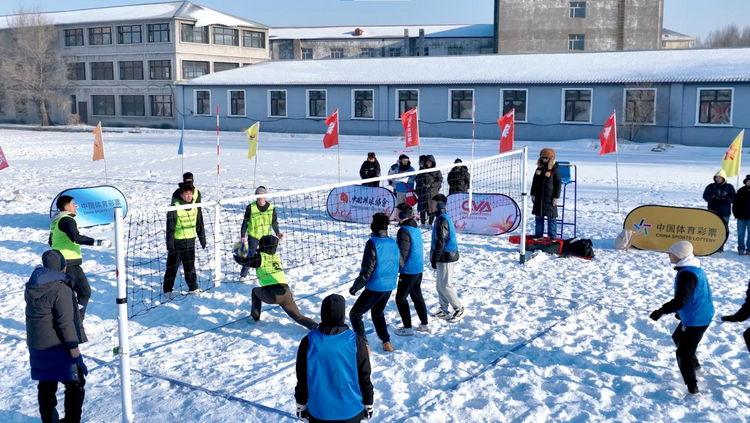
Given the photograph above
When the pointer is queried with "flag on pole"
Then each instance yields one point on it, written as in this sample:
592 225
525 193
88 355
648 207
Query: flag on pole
252 138
411 127
508 128
608 137
3 160
331 137
731 161
98 143
180 151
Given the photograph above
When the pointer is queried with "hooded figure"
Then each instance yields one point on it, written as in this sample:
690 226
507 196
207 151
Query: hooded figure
370 169
428 186
545 190
741 210
458 179
720 195
333 370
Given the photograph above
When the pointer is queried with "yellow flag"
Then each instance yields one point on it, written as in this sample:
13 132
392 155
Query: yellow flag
731 161
252 138
98 143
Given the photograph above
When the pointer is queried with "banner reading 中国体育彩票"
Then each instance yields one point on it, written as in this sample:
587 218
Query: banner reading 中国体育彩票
491 214
357 203
96 205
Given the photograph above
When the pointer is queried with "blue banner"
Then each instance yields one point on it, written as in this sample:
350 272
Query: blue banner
96 205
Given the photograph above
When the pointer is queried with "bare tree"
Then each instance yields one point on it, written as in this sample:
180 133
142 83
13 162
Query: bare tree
728 36
32 67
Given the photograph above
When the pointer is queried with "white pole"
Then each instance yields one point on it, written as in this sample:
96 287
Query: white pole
122 320
218 155
617 165
524 197
218 242
338 144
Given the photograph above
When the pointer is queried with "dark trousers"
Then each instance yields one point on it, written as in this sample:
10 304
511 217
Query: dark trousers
410 286
747 339
74 394
687 338
80 286
356 419
281 295
374 302
182 253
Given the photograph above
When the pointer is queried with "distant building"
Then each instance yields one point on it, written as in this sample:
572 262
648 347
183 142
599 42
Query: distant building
672 39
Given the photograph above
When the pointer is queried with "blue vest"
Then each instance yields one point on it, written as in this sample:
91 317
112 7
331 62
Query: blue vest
450 244
332 381
385 276
415 260
699 309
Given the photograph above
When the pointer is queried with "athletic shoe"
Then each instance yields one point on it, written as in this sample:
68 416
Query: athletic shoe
405 332
195 291
442 314
458 315
388 347
742 252
245 279
423 328
694 390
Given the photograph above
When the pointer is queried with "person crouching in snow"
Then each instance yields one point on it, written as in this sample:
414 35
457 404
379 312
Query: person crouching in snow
273 286
741 315
333 370
694 306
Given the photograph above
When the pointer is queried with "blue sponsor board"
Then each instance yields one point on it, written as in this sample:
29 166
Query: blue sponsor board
96 205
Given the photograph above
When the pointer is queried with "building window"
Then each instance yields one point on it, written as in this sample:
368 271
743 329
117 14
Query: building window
103 105
158 33
578 9
316 103
407 100
577 105
191 34
254 39
461 104
363 104
307 54
2 103
226 36
715 106
102 71
132 105
191 69
130 34
237 103
515 99
203 103
367 52
455 51
222 66
426 52
20 105
575 42
160 69
161 105
640 106
77 71
131 71
74 37
100 36
277 103
73 105
337 53
394 52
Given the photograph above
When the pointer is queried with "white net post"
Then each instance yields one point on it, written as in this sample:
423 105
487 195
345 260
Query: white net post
123 350
218 243
524 197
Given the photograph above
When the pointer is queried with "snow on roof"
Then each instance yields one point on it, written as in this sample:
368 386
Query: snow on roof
668 33
653 66
389 31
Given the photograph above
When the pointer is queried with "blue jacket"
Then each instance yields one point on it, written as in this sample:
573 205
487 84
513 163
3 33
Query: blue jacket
699 309
411 246
380 264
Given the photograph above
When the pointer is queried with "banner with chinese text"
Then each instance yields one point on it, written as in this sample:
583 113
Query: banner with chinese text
357 203
95 204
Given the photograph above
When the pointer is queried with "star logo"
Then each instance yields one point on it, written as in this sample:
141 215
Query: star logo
731 152
642 227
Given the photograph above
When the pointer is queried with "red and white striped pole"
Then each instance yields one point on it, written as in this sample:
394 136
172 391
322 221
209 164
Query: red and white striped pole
218 155
473 129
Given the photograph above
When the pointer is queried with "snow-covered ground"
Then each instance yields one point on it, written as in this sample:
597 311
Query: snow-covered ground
557 339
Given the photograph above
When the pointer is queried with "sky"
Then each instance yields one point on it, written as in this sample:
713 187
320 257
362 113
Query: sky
692 17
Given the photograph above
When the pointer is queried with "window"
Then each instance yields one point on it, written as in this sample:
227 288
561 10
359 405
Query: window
130 34
337 53
407 100
226 36
455 51
103 105
253 39
367 52
191 34
2 103
640 105
715 106
100 36
130 71
236 103
102 71
577 106
73 106
277 103
161 105
74 37
192 69
159 69
578 9
316 104
307 54
426 52
363 104
203 103
575 42
77 71
158 33
461 104
222 66
132 105
394 52
515 99
20 105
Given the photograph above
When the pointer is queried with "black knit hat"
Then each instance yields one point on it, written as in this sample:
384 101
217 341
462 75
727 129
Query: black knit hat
458 161
403 156
380 222
187 176
333 310
371 155
54 260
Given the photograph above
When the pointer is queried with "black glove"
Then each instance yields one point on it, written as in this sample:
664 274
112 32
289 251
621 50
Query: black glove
170 246
203 245
656 315
369 411
353 290
728 319
433 263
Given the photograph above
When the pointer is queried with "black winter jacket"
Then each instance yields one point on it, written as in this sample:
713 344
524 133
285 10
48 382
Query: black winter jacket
686 283
544 189
720 198
370 170
428 185
741 204
172 222
459 179
437 252
369 261
70 228
744 312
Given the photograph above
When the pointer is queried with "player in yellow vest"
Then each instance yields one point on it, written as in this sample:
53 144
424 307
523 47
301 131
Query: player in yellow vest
187 178
260 218
183 226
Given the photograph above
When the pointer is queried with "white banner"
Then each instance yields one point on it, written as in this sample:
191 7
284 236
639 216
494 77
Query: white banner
491 214
357 203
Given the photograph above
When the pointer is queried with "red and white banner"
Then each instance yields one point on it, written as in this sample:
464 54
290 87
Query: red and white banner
507 130
411 127
357 203
331 137
3 160
491 214
608 137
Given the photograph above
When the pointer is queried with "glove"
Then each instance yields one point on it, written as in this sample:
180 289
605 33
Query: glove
170 246
728 319
302 412
655 315
203 245
353 290
75 352
104 243
433 263
369 411
279 235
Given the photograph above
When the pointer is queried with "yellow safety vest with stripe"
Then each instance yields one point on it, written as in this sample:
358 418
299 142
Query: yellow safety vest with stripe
270 271
196 194
260 221
185 225
62 243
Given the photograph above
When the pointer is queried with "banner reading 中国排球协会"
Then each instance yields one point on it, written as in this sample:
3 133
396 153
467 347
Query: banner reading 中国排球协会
95 204
491 214
357 203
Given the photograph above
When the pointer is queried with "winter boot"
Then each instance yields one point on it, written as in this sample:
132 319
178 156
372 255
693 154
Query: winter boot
388 347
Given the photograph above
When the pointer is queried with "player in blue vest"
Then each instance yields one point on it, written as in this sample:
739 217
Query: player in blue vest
411 265
378 275
694 306
333 370
443 258
741 315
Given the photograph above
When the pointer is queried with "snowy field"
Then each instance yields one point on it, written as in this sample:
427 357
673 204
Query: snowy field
558 339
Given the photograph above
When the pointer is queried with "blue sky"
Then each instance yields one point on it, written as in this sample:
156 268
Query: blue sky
693 17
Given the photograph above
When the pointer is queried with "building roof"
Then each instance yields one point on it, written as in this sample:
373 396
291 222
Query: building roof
652 66
201 15
667 34
384 31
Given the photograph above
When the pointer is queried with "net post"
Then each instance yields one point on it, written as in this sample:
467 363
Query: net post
524 196
218 241
123 350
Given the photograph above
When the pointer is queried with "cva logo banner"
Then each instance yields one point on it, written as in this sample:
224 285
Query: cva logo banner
491 214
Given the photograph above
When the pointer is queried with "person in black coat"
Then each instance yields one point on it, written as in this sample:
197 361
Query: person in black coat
719 196
741 210
428 186
187 178
741 315
459 179
545 190
370 169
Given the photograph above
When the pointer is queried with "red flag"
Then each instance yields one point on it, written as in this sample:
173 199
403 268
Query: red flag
98 143
331 137
507 128
3 160
411 127
608 137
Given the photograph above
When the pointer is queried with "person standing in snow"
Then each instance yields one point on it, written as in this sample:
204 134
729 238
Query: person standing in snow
719 195
187 178
741 315
545 191
428 186
401 185
183 226
443 258
741 210
370 169
694 306
458 178
411 265
260 217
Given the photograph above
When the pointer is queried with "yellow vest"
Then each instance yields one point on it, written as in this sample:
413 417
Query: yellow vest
187 220
260 221
270 271
62 243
